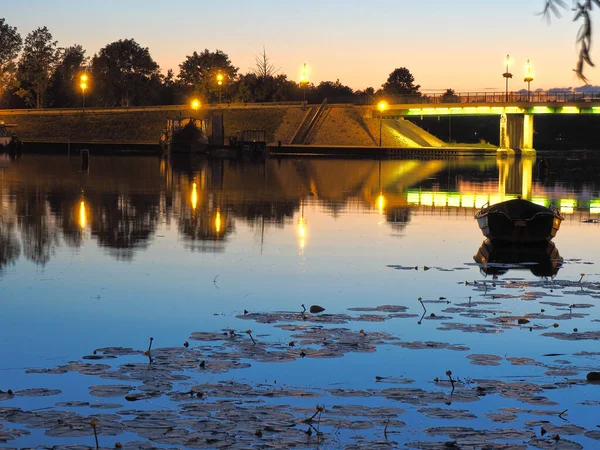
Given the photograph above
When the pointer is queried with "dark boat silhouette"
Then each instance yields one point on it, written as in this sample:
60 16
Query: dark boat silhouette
518 221
496 258
185 135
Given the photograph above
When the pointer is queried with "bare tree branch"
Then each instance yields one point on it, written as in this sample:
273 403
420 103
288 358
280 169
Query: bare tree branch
264 68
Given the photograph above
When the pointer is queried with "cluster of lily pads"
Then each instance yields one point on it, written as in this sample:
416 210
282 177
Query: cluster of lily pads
200 412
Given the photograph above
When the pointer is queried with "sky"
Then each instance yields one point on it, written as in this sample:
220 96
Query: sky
460 44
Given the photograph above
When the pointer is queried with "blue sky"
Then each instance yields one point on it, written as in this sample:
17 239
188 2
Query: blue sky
457 44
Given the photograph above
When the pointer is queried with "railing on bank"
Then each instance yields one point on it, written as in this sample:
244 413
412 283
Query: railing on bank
126 109
492 97
551 96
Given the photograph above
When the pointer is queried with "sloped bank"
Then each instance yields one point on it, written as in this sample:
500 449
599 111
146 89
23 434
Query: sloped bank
141 127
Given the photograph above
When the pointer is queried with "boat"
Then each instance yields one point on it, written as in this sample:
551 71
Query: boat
496 258
518 221
184 135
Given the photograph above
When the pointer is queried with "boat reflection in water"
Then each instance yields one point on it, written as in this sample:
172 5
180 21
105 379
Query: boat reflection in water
496 258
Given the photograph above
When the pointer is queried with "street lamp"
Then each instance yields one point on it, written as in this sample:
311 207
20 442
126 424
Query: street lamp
381 106
83 79
220 83
507 75
528 79
304 81
195 104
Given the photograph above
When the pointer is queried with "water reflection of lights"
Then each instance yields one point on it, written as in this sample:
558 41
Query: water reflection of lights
194 197
302 231
567 205
218 222
381 203
82 215
468 200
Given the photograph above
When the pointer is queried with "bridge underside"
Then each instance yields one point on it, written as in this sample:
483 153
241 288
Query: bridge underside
516 119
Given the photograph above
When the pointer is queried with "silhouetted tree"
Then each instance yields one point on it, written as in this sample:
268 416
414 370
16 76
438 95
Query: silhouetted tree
335 89
10 46
251 88
198 73
450 97
400 82
36 66
168 89
582 10
264 68
124 73
64 89
369 91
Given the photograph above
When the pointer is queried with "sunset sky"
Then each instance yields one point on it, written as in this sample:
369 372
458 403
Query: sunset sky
445 44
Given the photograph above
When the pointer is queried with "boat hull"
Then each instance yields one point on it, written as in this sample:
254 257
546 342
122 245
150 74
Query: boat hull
518 222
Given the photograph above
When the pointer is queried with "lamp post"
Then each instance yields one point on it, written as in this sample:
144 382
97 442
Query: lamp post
507 75
528 79
195 104
304 81
220 83
83 79
381 106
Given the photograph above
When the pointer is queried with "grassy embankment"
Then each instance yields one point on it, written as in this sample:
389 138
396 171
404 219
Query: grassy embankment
346 126
143 127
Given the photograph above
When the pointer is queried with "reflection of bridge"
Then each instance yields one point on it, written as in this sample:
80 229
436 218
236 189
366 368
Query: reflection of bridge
206 199
516 117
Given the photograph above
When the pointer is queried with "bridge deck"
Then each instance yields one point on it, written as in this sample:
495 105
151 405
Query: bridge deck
482 109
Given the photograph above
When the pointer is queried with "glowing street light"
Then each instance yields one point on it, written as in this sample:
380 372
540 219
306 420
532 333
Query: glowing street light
507 75
381 106
83 80
220 83
528 79
195 104
304 80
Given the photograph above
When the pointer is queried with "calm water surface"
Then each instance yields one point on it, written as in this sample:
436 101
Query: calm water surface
138 247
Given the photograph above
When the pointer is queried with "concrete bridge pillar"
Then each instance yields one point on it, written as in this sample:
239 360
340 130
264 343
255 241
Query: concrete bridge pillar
516 133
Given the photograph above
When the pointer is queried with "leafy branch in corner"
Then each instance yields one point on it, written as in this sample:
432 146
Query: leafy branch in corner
584 35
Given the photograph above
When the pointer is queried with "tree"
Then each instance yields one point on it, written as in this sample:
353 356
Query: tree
369 91
264 68
198 73
251 88
64 89
10 46
36 66
124 73
450 97
584 36
335 89
401 82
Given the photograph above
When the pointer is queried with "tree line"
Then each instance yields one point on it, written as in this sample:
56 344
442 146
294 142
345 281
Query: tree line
36 73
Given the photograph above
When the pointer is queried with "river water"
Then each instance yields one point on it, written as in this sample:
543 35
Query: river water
131 247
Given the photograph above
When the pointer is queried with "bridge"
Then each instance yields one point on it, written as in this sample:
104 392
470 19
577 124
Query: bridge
515 110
